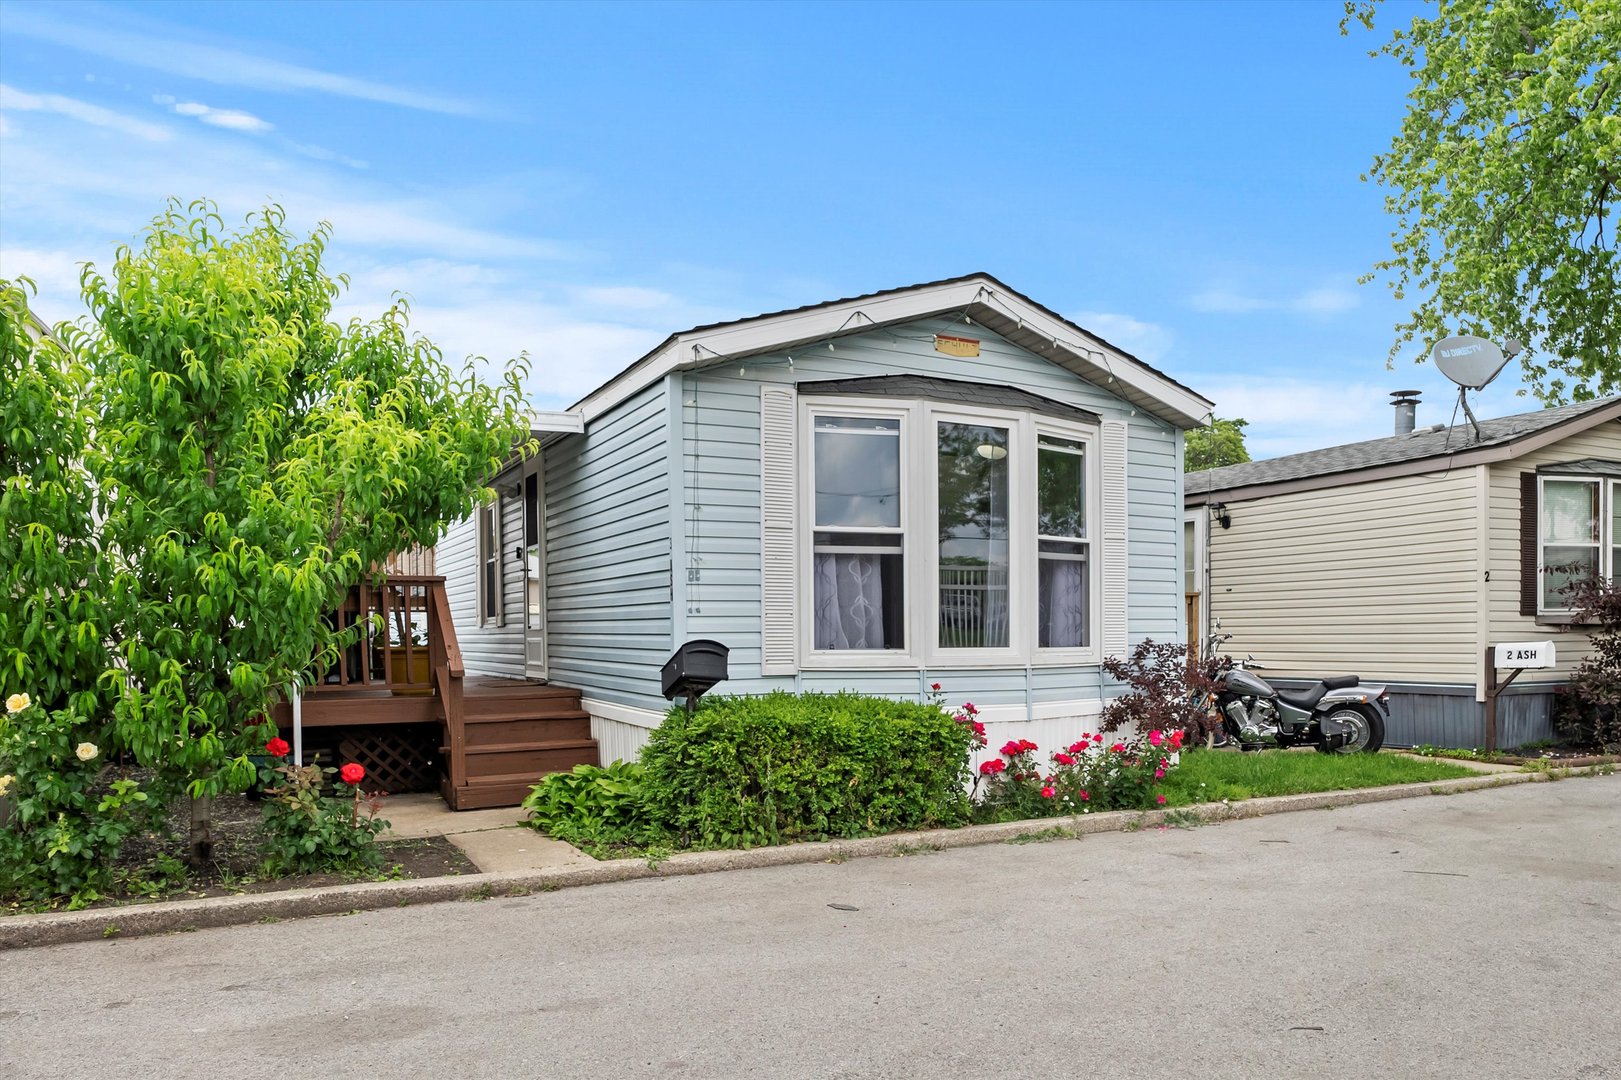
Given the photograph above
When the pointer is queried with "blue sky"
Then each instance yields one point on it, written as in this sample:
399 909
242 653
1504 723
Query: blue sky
578 181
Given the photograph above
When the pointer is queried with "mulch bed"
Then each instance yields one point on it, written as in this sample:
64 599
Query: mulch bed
237 861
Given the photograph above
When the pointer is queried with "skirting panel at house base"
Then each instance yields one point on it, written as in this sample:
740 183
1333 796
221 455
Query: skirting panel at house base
1438 714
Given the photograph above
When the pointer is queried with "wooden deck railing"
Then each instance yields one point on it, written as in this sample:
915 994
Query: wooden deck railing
398 625
445 659
408 647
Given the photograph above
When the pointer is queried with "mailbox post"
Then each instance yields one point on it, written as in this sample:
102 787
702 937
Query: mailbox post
1517 656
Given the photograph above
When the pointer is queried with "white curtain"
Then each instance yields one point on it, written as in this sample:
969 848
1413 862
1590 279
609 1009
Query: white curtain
849 602
1063 604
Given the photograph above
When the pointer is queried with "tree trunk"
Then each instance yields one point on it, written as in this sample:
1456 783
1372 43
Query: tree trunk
201 841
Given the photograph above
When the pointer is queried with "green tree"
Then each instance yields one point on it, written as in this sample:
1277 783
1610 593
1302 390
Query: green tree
1222 443
253 461
1503 181
53 628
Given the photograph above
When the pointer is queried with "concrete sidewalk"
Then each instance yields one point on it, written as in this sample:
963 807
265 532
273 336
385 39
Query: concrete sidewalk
496 841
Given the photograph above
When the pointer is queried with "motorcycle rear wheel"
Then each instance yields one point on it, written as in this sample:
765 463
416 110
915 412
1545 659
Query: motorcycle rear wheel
1367 732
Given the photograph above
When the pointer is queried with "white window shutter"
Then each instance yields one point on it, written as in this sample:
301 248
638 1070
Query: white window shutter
779 533
1116 587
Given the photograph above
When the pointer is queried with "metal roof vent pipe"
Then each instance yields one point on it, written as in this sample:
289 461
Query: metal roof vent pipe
1406 402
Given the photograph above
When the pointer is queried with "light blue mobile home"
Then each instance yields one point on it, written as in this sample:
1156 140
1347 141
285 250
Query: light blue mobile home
945 483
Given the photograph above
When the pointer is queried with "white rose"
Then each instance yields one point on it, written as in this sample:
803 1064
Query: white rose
18 702
87 751
5 783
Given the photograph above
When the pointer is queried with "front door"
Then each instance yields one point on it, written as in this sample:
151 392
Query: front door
534 561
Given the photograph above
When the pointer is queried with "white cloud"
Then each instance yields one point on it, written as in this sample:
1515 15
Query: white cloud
321 153
232 119
1226 300
1326 301
1144 340
55 274
631 297
211 63
82 111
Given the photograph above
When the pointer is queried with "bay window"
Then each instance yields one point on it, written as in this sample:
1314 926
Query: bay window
938 535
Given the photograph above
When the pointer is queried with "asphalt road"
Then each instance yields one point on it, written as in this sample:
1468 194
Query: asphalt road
1473 936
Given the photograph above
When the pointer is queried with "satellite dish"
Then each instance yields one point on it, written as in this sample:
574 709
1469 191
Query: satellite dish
1471 362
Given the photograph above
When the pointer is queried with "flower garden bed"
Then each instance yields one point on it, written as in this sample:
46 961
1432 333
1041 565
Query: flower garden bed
152 868
1564 757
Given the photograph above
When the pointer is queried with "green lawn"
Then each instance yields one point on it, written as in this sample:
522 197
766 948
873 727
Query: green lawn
1213 775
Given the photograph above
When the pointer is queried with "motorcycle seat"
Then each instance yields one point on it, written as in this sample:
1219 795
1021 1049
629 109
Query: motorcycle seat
1308 699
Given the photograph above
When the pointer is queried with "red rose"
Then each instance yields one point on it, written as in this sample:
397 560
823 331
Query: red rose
1026 744
1155 737
1012 748
968 707
1161 800
1085 797
278 748
1048 792
1097 738
351 773
1176 740
991 767
935 686
1063 759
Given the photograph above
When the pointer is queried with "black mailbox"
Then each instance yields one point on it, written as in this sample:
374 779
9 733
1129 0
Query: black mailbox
695 667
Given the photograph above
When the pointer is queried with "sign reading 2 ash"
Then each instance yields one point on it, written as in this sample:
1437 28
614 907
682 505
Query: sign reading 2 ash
1524 654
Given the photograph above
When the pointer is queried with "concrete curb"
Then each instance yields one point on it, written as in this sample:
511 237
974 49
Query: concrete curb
56 928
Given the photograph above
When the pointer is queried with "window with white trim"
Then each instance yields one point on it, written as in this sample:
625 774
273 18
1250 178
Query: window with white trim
935 534
1063 546
858 569
487 519
1578 533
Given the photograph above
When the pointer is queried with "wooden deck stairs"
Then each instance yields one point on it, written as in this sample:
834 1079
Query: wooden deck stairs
497 737
513 734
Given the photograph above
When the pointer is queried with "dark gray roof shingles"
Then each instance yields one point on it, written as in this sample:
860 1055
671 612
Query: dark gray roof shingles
1393 450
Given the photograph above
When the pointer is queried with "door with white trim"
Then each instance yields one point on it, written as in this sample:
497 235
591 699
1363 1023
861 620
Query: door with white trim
534 586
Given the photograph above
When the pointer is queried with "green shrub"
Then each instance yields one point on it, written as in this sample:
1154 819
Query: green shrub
68 819
744 771
593 807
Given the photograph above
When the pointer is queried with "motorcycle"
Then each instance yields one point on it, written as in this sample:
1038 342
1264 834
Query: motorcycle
1337 716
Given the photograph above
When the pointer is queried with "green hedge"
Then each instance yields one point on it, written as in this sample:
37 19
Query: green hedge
744 771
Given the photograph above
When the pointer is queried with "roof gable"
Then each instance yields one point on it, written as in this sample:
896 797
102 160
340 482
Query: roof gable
977 297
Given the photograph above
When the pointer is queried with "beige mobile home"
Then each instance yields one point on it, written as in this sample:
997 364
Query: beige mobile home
1403 559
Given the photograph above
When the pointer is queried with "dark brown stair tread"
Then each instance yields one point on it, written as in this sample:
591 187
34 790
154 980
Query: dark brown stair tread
522 779
543 713
545 744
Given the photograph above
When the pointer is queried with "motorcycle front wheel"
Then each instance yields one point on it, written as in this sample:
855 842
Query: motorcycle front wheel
1366 734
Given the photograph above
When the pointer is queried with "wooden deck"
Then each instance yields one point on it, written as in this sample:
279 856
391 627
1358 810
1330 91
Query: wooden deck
497 736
